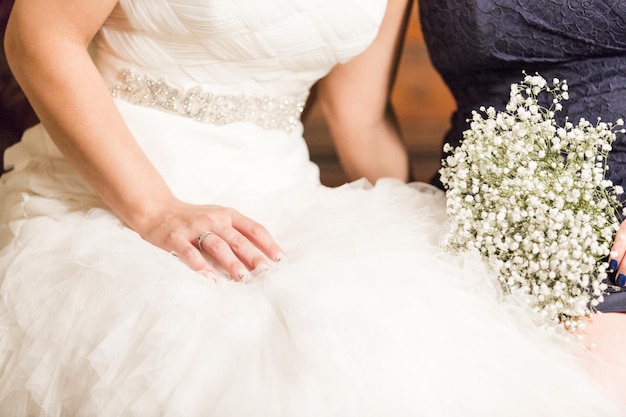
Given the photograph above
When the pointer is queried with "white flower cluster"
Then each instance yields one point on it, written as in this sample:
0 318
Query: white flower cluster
532 198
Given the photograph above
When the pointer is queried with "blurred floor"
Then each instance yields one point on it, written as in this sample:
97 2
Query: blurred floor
423 105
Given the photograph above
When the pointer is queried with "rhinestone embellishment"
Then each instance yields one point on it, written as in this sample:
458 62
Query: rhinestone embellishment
268 112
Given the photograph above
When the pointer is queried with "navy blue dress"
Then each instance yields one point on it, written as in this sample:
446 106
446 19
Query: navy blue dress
480 47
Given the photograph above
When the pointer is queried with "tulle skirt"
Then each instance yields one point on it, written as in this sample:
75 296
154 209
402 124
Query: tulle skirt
366 316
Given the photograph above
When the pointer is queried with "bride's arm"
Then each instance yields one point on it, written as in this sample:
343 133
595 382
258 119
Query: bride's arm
46 45
354 98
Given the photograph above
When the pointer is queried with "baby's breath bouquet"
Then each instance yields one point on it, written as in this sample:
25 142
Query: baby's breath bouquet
532 198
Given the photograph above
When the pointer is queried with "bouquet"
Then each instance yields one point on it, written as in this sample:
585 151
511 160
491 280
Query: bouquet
531 197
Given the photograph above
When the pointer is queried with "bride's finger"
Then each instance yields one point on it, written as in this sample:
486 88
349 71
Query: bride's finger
259 236
189 254
244 249
220 250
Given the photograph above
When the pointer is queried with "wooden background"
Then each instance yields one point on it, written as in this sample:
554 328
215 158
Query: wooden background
423 105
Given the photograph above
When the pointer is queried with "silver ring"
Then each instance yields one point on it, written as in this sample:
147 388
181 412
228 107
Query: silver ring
201 238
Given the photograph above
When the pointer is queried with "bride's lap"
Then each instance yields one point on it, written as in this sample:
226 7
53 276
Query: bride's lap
604 336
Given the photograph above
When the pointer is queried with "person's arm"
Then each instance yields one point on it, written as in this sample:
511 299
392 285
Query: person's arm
46 45
355 101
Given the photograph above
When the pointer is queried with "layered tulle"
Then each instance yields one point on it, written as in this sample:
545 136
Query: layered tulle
366 316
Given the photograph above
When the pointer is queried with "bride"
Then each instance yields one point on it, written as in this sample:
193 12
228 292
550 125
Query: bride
166 248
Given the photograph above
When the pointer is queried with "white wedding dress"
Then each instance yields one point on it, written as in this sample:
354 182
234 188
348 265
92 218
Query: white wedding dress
367 316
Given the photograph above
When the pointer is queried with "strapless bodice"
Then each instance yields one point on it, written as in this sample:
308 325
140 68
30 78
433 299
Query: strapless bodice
235 46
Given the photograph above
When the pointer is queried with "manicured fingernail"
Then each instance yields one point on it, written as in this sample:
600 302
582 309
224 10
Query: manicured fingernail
243 274
263 267
208 274
613 265
621 237
279 256
621 280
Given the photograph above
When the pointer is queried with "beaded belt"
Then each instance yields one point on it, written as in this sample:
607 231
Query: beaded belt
268 112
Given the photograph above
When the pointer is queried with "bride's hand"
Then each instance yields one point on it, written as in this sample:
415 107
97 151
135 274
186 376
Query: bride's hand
101 147
194 233
617 258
